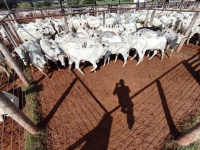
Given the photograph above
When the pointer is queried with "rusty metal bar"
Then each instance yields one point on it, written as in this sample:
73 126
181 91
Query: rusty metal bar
146 19
188 31
5 16
190 136
9 35
14 32
92 5
102 5
17 114
73 13
152 17
13 63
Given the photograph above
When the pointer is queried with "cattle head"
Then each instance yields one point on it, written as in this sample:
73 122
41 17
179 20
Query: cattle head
61 57
40 62
22 53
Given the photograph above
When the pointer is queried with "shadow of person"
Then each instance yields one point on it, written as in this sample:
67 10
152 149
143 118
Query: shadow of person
125 102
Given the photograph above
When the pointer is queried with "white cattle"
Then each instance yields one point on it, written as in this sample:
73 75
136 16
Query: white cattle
175 42
111 39
37 58
156 44
79 24
31 51
130 28
156 23
14 99
147 33
107 34
29 32
94 24
169 33
51 51
92 54
110 22
136 43
117 48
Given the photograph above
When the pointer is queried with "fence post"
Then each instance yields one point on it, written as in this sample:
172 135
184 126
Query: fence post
190 136
17 114
66 24
127 17
146 19
14 31
13 64
188 31
104 18
152 17
10 36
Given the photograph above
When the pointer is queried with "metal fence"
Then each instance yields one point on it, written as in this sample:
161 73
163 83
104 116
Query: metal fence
32 13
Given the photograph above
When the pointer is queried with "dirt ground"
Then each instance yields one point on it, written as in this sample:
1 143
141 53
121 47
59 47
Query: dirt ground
94 112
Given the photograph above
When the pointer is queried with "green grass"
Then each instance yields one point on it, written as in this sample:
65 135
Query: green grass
171 144
114 1
33 111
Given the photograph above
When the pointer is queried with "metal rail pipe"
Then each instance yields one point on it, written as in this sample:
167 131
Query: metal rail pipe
74 13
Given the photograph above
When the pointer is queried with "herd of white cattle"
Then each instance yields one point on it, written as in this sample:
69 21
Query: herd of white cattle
89 39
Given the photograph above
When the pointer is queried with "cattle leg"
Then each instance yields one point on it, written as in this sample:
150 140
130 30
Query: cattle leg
70 64
197 43
190 36
57 66
154 53
105 59
108 60
77 67
43 72
125 56
94 66
1 118
162 53
139 61
32 68
134 56
140 58
148 53
171 53
116 56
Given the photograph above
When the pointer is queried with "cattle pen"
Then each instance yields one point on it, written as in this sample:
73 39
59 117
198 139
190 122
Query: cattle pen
82 112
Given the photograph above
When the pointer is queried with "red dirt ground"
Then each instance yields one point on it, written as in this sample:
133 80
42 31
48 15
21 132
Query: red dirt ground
82 112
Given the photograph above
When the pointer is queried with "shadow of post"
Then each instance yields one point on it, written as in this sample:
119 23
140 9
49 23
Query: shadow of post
89 91
191 69
170 122
45 121
96 139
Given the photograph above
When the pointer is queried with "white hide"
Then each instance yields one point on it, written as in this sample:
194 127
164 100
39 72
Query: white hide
12 98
